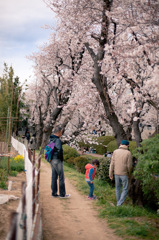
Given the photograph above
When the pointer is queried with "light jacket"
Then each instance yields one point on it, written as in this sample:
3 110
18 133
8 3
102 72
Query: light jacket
90 172
121 162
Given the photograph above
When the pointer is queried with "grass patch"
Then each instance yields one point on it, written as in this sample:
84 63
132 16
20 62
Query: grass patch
13 173
130 222
15 167
3 178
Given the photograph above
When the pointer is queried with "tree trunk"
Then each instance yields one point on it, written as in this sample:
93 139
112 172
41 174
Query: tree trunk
101 84
47 130
39 135
113 121
99 80
137 133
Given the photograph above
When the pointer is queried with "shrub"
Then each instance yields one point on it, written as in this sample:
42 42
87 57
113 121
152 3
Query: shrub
132 146
103 170
71 161
112 146
85 145
69 152
16 164
80 163
105 139
101 146
99 149
3 178
3 185
147 168
13 173
18 158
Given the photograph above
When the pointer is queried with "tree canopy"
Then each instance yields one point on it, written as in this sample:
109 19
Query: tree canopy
11 98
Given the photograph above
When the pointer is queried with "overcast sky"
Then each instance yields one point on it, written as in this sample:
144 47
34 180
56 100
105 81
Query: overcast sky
21 32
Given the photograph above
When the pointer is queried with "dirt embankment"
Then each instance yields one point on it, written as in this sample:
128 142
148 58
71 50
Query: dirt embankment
7 208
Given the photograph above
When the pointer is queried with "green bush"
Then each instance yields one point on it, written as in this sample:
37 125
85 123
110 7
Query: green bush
14 165
3 178
80 163
101 146
105 139
132 146
85 145
103 170
71 161
69 152
13 173
112 146
147 168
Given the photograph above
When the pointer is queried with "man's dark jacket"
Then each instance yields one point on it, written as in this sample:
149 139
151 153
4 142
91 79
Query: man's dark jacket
58 151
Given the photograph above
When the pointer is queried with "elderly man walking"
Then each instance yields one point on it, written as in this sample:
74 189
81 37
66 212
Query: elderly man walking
121 166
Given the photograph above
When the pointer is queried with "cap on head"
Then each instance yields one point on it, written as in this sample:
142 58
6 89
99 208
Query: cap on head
125 142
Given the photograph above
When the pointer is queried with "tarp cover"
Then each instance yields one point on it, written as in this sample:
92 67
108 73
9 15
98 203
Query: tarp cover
5 198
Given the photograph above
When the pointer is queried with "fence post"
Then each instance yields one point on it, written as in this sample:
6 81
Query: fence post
24 210
33 187
13 224
29 154
38 177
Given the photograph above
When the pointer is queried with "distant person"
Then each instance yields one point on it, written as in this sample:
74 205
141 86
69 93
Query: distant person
57 165
121 165
109 155
32 142
89 176
27 135
16 133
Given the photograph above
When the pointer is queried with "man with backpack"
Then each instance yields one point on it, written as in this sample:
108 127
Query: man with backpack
57 164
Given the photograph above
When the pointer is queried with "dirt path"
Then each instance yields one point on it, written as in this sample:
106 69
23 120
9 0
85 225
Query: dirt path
70 219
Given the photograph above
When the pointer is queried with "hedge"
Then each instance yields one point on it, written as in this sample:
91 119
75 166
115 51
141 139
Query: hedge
113 146
80 163
69 152
103 170
147 168
105 140
101 146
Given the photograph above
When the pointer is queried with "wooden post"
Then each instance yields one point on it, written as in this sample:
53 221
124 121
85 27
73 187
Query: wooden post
13 230
29 154
38 177
8 165
34 155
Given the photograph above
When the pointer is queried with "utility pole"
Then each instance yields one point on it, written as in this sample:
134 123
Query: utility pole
10 127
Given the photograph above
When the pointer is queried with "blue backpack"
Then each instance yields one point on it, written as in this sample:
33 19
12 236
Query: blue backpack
49 151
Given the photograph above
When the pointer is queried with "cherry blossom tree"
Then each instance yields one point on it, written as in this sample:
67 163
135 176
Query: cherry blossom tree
116 35
55 67
111 45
